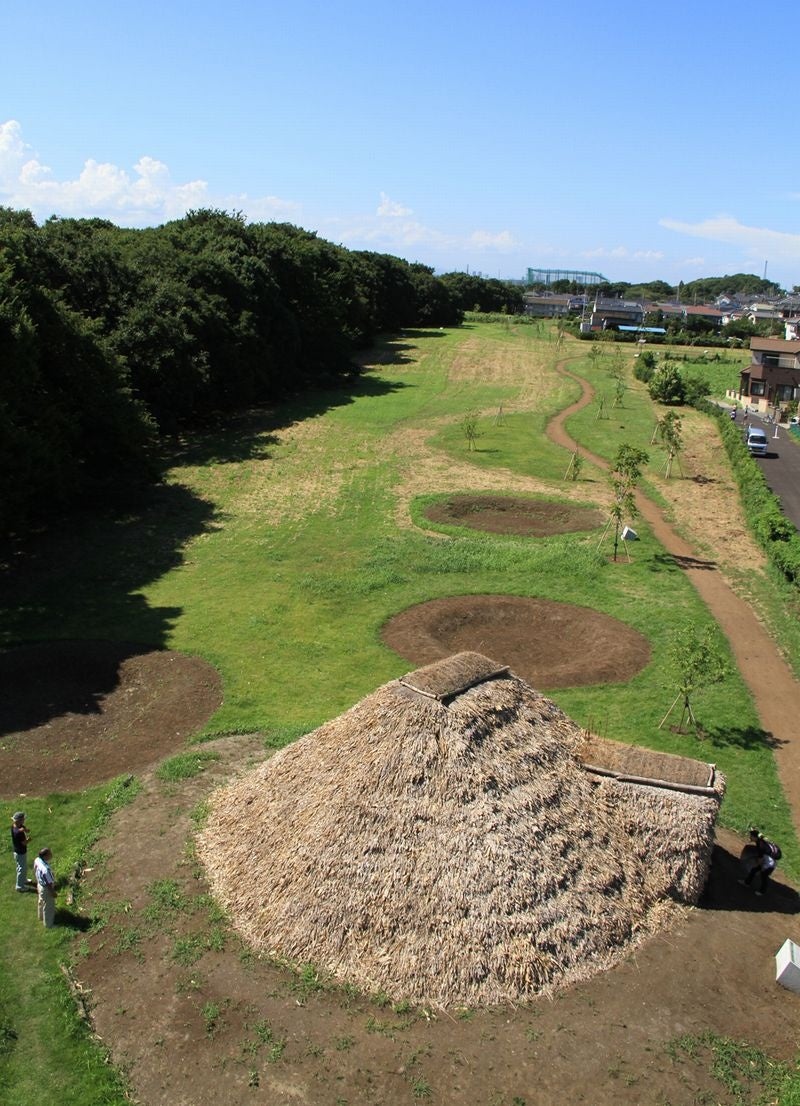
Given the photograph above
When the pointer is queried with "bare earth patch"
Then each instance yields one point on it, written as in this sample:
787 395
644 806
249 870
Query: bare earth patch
501 514
548 644
76 713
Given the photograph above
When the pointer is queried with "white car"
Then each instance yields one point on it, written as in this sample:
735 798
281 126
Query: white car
757 441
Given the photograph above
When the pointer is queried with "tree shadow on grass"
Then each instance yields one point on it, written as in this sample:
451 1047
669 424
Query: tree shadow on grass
82 579
388 353
253 434
723 892
52 678
740 737
661 561
421 332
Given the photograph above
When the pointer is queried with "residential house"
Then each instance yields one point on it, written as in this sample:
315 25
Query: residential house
684 311
551 306
703 311
764 313
772 379
609 314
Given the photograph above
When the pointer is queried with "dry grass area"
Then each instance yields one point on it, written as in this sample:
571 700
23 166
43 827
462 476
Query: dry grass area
705 504
482 361
302 469
318 463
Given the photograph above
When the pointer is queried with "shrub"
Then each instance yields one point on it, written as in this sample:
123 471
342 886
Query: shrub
666 384
645 366
694 388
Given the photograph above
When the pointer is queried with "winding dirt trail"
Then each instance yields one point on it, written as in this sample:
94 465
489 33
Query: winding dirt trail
775 691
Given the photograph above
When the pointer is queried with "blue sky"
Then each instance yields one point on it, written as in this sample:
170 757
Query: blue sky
639 142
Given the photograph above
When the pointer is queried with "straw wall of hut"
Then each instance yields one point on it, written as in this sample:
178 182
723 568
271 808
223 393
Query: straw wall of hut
443 841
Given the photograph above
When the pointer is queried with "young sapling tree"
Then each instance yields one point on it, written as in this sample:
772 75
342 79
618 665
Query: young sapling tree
624 478
695 661
469 426
668 431
574 467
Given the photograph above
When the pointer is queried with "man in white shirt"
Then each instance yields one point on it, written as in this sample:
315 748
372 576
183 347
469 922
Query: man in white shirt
46 884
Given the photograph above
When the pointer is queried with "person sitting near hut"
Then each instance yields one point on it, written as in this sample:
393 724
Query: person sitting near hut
45 881
766 855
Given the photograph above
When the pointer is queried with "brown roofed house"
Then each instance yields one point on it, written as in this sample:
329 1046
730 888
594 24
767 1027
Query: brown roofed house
772 378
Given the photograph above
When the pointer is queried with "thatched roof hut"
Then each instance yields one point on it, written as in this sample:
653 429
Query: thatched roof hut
444 841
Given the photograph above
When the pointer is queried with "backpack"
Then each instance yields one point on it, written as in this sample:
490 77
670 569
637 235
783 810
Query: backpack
773 850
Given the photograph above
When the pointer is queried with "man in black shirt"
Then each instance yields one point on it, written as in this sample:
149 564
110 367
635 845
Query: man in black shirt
19 843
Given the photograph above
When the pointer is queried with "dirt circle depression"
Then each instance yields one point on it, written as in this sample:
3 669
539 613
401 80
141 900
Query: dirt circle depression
76 713
505 514
549 644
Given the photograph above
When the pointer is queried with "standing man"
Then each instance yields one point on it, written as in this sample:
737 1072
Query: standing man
19 843
46 883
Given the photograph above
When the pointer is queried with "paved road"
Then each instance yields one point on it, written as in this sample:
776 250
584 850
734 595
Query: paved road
781 467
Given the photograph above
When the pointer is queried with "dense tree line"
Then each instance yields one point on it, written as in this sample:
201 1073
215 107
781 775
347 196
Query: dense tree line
111 338
702 290
488 296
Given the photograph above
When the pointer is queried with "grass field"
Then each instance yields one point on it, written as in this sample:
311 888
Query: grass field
281 543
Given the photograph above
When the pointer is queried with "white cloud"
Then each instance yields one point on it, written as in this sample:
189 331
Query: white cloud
144 196
13 151
262 209
617 253
391 209
391 229
502 242
757 242
385 232
693 263
601 252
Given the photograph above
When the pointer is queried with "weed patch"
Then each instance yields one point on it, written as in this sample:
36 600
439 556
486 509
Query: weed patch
184 766
745 1072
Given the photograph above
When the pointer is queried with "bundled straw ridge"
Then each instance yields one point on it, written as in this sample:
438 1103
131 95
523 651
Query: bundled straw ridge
452 850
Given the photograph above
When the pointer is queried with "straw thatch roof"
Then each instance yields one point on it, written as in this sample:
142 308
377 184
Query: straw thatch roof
443 841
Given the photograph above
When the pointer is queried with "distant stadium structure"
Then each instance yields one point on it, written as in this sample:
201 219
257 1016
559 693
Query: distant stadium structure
576 276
